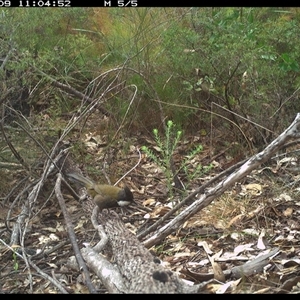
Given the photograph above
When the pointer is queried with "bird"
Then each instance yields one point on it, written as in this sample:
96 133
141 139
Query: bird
105 195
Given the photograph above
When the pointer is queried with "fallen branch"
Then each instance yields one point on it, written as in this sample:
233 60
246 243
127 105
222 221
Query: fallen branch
135 269
72 235
292 132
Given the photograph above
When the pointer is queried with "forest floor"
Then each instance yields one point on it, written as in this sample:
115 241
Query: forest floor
255 216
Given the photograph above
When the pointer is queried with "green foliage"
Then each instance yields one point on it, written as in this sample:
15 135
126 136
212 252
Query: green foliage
246 58
198 171
166 147
288 63
252 52
48 43
16 264
47 40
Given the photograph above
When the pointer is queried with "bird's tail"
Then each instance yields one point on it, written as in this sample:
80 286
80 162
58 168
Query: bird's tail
81 179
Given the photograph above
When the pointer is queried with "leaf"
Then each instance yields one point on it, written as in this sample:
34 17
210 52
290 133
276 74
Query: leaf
241 248
254 189
158 149
260 242
218 273
228 285
288 212
205 247
149 201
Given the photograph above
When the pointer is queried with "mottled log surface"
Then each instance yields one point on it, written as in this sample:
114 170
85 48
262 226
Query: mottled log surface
142 272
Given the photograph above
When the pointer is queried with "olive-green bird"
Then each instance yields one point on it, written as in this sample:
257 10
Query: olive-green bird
104 195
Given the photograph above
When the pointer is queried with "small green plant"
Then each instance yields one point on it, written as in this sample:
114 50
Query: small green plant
198 170
166 146
16 264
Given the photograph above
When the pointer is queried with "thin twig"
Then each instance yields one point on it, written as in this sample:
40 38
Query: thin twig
43 274
200 190
139 161
72 236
